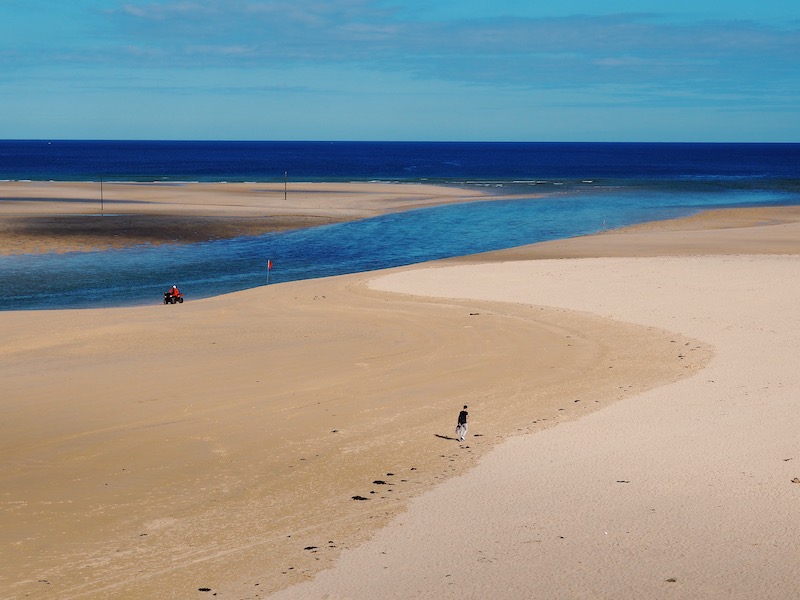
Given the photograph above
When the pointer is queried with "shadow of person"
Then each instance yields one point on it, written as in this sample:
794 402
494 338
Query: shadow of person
446 437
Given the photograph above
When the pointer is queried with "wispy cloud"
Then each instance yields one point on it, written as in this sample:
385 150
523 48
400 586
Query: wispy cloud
547 51
565 52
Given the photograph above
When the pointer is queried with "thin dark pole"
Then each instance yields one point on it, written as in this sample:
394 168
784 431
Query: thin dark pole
285 184
101 195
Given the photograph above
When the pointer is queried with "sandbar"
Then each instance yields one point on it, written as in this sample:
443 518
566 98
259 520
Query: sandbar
57 216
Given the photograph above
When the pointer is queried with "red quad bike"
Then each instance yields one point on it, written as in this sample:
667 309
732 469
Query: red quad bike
170 298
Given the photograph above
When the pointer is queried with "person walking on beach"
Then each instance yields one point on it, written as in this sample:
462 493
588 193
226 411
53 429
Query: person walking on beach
461 427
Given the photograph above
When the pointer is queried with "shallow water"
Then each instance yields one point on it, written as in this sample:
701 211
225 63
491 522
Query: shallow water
140 275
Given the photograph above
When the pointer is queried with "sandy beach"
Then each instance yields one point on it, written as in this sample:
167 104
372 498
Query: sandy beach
633 407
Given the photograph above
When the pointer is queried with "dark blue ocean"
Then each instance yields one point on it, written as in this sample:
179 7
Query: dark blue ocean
586 186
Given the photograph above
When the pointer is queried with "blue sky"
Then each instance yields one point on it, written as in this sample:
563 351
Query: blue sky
516 70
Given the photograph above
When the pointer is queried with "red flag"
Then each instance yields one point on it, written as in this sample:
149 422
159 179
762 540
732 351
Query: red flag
269 265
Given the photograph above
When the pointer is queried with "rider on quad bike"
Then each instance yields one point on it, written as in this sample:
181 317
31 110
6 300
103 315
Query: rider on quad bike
173 295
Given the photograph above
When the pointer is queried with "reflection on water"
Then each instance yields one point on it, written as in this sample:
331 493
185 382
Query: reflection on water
140 275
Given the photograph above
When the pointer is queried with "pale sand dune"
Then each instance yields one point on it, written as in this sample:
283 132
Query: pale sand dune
684 491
